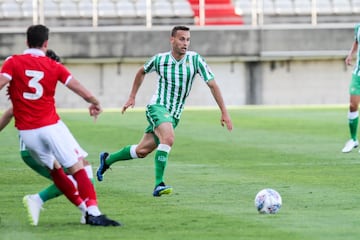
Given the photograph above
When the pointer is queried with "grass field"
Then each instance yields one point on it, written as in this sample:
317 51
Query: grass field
215 175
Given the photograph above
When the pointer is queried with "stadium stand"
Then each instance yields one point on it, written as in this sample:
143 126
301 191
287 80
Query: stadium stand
17 13
299 11
110 12
217 12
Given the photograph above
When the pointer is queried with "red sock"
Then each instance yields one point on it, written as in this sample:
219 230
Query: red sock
66 186
86 188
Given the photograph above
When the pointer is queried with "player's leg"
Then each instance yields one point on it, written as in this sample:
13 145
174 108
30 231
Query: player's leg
48 193
62 182
142 149
68 151
57 139
165 134
34 202
52 191
353 114
163 125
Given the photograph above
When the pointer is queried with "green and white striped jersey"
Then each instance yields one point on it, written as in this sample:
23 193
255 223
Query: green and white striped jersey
176 78
357 38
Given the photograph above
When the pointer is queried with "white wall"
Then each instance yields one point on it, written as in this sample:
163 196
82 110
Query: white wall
283 82
306 82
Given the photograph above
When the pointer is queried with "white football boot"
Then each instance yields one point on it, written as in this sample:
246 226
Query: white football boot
350 145
33 204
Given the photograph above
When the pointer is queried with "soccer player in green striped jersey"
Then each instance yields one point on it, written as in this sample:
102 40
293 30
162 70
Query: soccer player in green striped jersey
353 114
176 71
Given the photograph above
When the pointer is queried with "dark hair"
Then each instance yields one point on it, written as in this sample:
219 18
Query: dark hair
37 35
178 28
51 54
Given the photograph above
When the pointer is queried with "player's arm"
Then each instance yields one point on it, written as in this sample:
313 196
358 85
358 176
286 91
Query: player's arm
225 117
352 51
6 118
139 78
3 81
95 108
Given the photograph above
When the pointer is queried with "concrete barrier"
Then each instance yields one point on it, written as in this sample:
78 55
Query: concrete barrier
297 64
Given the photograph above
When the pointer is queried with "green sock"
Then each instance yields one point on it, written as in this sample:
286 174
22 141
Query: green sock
353 125
49 193
160 164
121 155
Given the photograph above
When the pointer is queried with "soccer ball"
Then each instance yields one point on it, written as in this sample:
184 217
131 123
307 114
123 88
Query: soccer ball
268 201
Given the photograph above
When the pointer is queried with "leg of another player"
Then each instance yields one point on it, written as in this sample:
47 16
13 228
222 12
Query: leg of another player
146 145
34 202
87 192
354 115
51 191
353 119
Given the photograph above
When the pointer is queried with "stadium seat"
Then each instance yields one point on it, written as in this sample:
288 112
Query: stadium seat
86 8
355 6
217 12
52 8
140 8
243 7
27 9
341 6
182 8
107 8
284 7
69 8
126 8
302 6
11 9
162 8
268 7
324 7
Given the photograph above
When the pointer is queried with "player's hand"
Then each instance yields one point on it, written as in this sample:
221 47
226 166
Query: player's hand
130 103
95 111
348 60
226 120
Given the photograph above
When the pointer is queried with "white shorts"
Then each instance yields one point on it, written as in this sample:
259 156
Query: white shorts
50 143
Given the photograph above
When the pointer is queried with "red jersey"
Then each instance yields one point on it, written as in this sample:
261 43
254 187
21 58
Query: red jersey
33 78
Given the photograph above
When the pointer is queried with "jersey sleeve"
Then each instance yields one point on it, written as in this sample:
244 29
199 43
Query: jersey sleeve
204 70
7 68
356 32
149 66
64 74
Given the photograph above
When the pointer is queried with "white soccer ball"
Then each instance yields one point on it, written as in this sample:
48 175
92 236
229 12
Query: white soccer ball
268 201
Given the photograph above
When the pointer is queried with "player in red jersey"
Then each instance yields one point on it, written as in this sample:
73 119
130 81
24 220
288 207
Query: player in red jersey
32 79
34 202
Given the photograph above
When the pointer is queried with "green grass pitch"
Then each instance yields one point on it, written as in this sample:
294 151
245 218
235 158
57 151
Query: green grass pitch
215 174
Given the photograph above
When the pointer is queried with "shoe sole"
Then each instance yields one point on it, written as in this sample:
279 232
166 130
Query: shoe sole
165 191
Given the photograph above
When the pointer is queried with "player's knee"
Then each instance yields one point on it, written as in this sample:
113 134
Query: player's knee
353 107
169 140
